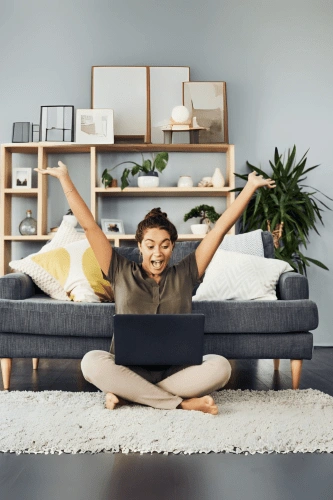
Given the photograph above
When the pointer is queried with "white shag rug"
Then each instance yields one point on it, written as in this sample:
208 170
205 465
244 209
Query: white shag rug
248 422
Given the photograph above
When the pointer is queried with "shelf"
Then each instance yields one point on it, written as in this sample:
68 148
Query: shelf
35 237
21 191
163 191
73 147
9 195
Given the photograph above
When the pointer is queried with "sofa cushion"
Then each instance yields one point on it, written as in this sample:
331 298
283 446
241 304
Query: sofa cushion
238 276
67 269
46 316
250 243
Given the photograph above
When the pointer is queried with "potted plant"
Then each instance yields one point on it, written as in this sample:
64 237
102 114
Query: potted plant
148 171
70 218
288 211
207 216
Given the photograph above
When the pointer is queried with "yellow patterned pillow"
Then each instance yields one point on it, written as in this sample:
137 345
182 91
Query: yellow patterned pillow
70 272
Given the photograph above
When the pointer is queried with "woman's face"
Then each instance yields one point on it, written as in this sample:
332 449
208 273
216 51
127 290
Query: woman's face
156 249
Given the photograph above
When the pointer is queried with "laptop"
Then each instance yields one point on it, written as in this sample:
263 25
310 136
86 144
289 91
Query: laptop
158 339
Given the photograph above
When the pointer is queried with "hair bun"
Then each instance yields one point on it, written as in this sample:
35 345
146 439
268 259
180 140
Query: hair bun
156 212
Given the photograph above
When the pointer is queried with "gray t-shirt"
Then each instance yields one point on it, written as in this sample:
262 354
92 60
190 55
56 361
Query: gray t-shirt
136 293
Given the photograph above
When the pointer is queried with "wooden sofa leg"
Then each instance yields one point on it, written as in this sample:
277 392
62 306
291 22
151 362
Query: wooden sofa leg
276 364
296 370
6 368
35 362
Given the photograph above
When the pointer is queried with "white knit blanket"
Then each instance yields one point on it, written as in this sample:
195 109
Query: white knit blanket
248 422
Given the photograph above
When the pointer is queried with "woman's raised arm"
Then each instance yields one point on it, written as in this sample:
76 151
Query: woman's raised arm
205 251
97 239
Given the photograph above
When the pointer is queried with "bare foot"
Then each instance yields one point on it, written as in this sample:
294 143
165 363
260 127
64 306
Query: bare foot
112 401
205 404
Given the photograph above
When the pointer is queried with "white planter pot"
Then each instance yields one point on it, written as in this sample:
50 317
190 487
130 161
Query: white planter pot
148 180
71 219
199 228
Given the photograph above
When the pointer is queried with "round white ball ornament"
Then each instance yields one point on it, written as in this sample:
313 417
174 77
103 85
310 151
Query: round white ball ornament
180 114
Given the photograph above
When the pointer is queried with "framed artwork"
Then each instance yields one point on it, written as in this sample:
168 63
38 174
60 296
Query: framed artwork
21 178
21 132
56 123
125 90
112 226
94 126
166 89
207 102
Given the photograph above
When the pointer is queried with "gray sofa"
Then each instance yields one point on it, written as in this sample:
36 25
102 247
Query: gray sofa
33 325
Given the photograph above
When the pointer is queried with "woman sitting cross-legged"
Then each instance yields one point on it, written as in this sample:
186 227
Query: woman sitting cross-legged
154 287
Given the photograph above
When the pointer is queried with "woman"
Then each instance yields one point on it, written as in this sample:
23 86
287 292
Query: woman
153 287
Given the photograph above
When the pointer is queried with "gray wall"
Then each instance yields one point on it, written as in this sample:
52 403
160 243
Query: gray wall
276 58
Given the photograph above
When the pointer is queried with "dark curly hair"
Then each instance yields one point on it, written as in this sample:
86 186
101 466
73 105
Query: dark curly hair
156 218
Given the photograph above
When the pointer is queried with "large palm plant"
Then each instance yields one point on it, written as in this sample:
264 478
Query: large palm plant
288 211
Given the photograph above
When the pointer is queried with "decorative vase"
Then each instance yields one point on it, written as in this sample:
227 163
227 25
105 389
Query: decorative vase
151 179
29 225
185 181
71 219
218 179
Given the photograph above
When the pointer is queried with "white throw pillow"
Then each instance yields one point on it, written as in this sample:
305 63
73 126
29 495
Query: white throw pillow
67 269
250 243
237 276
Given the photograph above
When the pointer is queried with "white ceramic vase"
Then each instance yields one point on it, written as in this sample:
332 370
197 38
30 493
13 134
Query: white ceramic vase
218 179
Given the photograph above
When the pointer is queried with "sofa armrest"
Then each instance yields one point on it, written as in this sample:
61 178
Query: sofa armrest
292 286
16 286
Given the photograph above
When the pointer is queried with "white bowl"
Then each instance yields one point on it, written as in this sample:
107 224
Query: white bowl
199 228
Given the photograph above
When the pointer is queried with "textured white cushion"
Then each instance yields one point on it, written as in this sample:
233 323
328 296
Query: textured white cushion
67 269
250 243
237 276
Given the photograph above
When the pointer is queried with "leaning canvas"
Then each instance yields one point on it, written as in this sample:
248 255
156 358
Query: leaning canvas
207 102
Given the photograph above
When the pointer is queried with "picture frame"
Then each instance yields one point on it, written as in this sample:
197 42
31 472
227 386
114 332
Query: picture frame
21 178
112 227
125 90
21 132
56 124
166 92
207 102
94 126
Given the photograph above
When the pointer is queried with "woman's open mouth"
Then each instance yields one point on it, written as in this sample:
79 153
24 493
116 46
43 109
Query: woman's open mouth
157 264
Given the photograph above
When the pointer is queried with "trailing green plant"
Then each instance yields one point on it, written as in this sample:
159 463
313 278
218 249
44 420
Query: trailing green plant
204 212
158 163
288 211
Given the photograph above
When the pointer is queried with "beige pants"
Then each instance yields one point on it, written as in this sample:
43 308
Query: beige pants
160 389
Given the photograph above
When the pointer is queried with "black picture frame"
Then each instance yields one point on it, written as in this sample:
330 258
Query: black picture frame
21 132
56 123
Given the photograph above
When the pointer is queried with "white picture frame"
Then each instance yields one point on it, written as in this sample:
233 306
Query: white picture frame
21 178
125 90
112 227
94 126
166 92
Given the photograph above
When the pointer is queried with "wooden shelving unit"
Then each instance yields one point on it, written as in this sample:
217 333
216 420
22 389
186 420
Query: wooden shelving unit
42 150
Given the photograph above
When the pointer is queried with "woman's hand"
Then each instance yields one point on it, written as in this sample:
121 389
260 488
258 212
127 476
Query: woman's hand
257 181
55 171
